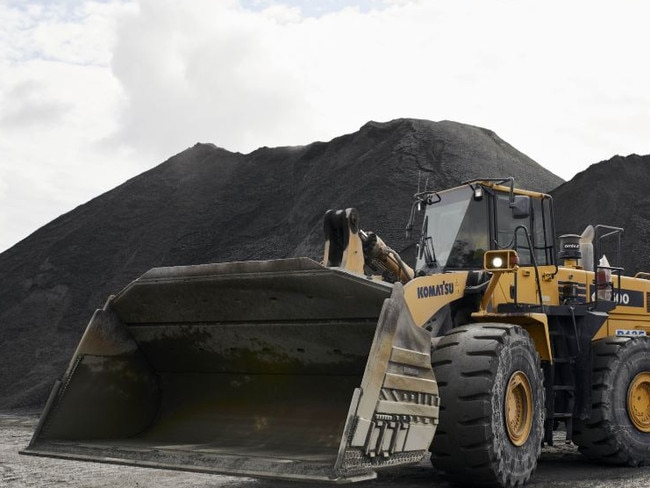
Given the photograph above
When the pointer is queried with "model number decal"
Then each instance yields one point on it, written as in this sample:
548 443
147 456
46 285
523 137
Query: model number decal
630 332
630 298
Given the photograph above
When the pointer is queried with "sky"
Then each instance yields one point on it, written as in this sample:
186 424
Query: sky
93 93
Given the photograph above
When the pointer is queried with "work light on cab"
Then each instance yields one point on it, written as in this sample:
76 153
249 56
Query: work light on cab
502 260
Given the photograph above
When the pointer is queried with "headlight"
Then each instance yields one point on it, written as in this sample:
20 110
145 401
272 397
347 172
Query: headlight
504 260
497 262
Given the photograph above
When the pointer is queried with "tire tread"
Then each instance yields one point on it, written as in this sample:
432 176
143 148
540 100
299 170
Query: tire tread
464 362
601 437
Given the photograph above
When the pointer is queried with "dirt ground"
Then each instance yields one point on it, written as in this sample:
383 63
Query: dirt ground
560 466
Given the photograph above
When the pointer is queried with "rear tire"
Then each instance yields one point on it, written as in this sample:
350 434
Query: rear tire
491 411
618 428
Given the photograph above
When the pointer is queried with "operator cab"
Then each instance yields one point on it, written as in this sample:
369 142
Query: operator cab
460 224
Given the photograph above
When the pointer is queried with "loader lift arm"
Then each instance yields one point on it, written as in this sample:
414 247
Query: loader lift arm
351 248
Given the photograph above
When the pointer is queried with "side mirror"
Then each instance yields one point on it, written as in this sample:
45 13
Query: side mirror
520 206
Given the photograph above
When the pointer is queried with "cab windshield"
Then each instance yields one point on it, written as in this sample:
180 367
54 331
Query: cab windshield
455 231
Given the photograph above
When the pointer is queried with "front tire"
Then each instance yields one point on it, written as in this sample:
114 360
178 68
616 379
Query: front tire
618 428
491 405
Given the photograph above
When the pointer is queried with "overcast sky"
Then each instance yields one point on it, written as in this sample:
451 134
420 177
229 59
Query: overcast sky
95 92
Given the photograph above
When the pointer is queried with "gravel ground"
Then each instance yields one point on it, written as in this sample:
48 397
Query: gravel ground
559 466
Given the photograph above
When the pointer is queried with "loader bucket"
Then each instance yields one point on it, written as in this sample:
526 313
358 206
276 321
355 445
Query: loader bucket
284 369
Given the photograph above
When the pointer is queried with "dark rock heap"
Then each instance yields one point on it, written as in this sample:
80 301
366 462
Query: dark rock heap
207 204
613 193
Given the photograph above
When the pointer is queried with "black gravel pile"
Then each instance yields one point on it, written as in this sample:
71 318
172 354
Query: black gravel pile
615 193
207 204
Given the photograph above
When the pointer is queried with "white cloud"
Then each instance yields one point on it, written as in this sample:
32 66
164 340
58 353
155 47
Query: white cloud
94 92
58 102
270 77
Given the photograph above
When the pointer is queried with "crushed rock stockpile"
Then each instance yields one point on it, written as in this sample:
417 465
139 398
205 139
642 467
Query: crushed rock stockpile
613 193
207 204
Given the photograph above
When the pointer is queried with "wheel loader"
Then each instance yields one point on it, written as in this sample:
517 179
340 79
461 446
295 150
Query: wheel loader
492 340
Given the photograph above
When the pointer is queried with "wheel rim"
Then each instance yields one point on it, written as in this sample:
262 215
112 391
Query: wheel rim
638 401
519 408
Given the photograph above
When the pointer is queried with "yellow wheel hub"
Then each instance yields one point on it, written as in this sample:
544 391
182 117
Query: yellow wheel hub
638 401
519 408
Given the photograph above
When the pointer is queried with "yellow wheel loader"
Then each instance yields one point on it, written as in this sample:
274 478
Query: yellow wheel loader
331 371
